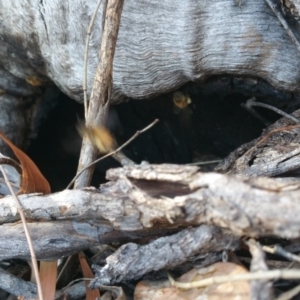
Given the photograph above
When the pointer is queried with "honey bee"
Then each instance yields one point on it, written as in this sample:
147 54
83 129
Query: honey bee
34 80
181 102
99 136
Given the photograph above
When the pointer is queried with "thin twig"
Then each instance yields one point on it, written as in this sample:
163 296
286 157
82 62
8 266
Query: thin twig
283 23
86 53
114 152
289 294
200 163
256 114
280 251
27 234
252 102
63 268
264 275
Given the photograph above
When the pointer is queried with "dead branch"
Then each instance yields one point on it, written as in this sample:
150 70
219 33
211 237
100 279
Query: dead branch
150 200
17 286
275 153
165 252
100 96
57 239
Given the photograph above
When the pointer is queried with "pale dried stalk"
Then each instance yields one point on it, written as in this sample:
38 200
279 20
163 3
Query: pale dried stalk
274 274
27 234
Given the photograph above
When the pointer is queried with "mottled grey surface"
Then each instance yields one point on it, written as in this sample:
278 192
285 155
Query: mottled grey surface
161 45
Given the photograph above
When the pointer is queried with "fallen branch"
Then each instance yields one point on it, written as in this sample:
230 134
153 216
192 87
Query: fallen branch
163 253
100 96
150 200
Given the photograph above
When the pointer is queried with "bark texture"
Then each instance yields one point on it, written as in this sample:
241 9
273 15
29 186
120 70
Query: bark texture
274 153
161 45
149 201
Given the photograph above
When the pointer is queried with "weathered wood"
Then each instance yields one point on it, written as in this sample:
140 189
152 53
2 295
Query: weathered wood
58 239
101 92
21 288
276 152
161 45
157 201
163 253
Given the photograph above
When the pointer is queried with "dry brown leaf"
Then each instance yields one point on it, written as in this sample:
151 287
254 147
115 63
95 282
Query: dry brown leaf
87 273
48 274
229 290
33 180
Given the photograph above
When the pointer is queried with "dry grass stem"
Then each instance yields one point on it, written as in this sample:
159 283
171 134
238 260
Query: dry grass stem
270 275
100 95
63 268
27 234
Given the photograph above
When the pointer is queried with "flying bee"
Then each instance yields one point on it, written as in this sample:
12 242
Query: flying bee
99 136
181 102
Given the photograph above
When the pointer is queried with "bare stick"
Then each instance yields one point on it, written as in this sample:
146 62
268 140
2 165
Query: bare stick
252 102
289 294
283 23
274 274
280 251
113 152
27 234
100 96
255 114
86 53
208 162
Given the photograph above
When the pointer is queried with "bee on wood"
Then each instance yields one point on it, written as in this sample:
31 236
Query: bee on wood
181 102
99 136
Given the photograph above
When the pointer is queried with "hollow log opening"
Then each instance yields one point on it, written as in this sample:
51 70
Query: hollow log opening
214 125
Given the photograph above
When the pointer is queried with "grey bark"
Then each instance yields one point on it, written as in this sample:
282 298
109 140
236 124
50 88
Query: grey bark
132 261
276 152
150 200
161 45
16 286
101 93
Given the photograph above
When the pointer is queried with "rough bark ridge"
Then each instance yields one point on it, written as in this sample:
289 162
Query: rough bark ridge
144 201
161 45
